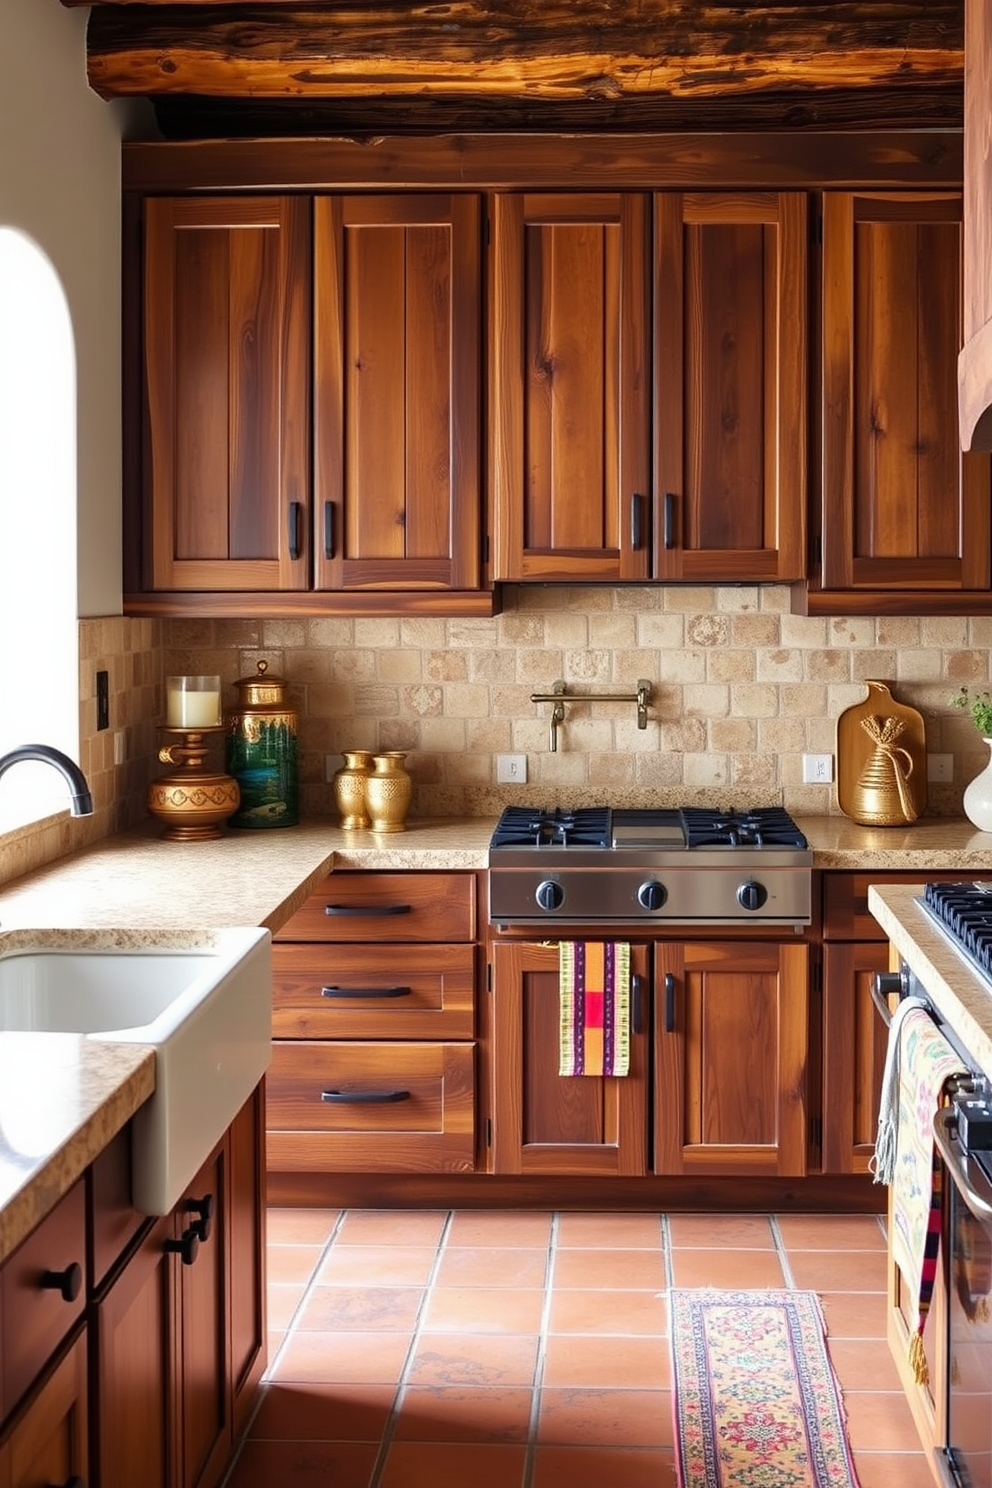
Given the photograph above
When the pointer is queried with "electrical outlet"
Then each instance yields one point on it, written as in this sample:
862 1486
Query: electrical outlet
940 767
511 769
818 769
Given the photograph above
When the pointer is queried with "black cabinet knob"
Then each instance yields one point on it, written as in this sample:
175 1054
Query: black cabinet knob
68 1283
186 1246
204 1211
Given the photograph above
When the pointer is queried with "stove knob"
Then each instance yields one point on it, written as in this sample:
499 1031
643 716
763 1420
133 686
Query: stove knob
652 894
550 895
751 895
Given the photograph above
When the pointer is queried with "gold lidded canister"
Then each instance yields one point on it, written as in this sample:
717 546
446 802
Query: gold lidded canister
262 752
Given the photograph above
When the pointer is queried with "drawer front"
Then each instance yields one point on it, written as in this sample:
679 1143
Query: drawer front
846 915
375 907
373 992
390 1107
35 1316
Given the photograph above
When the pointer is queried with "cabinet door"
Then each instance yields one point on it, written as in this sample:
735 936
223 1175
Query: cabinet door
136 1418
544 1122
246 1212
854 1042
48 1441
226 310
569 394
397 304
203 1346
903 509
731 1027
730 323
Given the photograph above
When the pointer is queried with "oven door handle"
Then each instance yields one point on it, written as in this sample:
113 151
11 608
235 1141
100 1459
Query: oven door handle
956 1162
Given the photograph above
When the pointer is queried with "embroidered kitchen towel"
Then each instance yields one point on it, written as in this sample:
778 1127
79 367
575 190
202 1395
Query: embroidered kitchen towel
594 985
926 1063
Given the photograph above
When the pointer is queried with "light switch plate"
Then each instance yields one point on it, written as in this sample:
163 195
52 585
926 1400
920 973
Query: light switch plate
511 769
818 769
940 767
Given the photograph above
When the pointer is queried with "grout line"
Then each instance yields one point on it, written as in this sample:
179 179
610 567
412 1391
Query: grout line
291 1327
783 1256
533 1424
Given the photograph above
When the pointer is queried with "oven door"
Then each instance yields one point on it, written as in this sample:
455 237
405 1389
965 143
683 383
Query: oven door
966 1460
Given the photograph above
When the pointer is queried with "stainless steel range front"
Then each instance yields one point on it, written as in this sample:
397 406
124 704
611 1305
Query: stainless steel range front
633 868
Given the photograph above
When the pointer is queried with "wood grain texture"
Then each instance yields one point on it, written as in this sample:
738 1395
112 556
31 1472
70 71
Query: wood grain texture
975 366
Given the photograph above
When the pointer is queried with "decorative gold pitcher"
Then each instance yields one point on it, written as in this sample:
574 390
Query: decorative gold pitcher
882 796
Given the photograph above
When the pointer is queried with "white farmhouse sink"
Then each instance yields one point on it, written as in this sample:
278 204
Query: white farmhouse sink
206 1010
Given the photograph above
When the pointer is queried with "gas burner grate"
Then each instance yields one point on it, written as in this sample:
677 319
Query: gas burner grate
764 826
531 826
964 911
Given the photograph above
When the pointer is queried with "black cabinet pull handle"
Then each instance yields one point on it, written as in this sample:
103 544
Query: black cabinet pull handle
328 529
186 1246
365 991
295 523
636 531
366 909
669 519
204 1211
68 1283
637 1004
364 1097
669 1002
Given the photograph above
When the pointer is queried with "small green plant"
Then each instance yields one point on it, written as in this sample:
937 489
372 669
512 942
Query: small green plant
979 706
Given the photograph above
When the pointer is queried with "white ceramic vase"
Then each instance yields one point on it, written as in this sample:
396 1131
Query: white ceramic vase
978 797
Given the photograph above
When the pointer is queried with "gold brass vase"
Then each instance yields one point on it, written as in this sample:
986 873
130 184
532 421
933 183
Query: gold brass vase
349 787
193 802
388 791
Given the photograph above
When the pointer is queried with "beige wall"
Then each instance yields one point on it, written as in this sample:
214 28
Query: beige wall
742 689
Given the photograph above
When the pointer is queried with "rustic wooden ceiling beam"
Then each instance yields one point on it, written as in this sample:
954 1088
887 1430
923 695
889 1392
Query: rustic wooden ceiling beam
560 51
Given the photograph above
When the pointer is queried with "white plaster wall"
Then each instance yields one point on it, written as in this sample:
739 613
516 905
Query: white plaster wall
60 184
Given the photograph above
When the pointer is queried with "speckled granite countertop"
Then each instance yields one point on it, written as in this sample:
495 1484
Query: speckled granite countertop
959 993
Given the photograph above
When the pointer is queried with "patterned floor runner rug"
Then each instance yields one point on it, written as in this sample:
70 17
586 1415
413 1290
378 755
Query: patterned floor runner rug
757 1403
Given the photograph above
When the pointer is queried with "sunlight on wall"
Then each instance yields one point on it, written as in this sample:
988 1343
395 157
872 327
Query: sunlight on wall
39 690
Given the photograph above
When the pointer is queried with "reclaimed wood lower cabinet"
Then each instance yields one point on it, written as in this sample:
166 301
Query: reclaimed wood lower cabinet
717 1080
374 1053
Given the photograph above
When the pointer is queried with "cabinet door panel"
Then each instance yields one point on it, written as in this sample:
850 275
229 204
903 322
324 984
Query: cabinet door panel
545 1122
396 402
730 385
227 299
902 507
730 1058
854 1043
247 1226
204 1344
48 1442
569 386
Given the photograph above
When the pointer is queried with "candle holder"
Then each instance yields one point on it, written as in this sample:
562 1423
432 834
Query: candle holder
193 801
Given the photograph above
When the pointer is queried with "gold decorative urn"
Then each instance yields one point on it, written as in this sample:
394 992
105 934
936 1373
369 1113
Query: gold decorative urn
193 801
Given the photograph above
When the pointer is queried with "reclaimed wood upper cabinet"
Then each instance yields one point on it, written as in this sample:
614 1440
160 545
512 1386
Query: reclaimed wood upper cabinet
975 361
569 386
730 356
905 517
396 391
226 348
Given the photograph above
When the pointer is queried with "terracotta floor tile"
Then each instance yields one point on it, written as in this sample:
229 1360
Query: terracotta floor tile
479 1310
893 1470
726 1268
831 1232
464 1413
294 1411
604 1467
614 1363
853 1314
863 1363
274 1338
351 1358
391 1227
377 1265
492 1266
292 1263
300 1226
632 1270
429 1465
263 1464
627 1313
728 1231
499 1227
880 1421
386 1309
282 1303
838 1271
620 1418
610 1231
474 1359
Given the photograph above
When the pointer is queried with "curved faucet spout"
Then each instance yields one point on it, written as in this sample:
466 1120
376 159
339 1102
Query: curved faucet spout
80 799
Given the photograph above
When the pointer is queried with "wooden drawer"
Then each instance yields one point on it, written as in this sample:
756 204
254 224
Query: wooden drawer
403 1107
374 907
384 992
34 1315
846 915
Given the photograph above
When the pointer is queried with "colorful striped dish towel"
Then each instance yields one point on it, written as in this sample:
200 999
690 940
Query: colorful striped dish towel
926 1063
594 979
